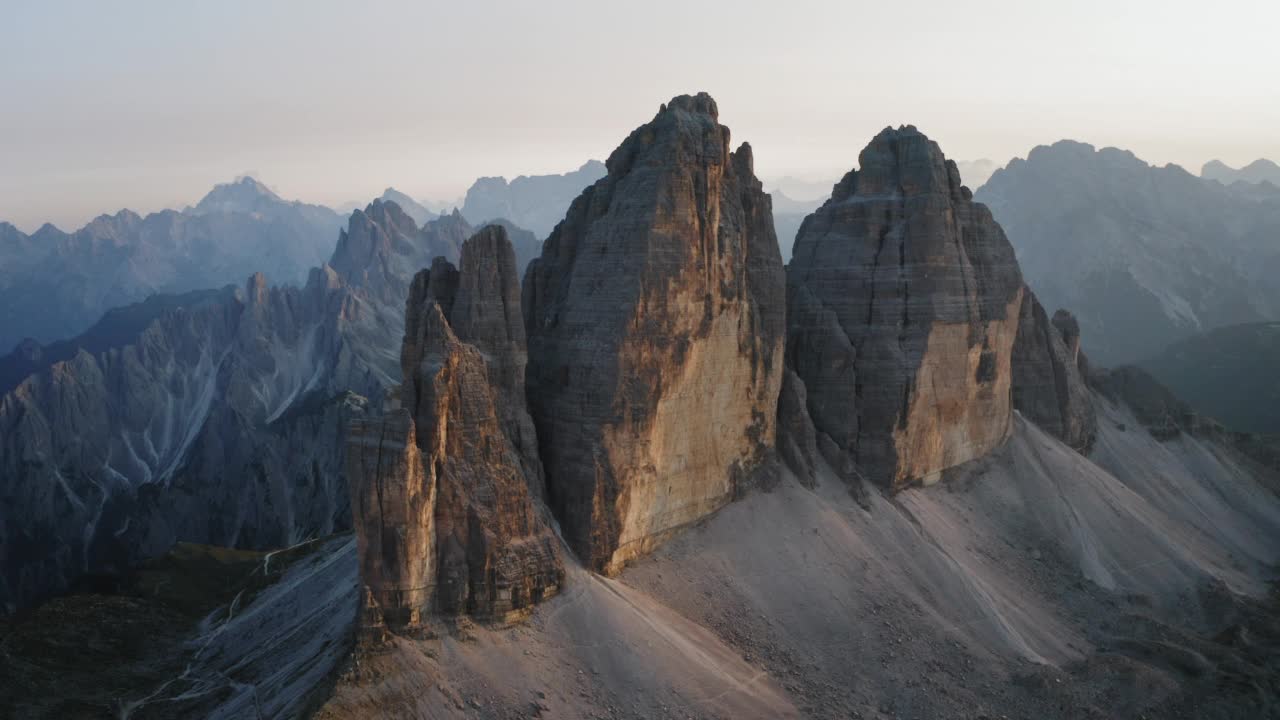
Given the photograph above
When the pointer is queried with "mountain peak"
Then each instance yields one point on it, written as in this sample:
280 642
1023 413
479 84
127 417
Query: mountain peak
47 229
244 194
700 104
414 209
900 161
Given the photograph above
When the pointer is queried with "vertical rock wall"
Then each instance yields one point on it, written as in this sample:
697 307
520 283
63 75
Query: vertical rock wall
445 486
656 331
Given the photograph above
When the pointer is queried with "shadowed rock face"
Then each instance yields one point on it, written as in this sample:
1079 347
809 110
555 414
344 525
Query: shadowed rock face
443 488
797 438
1049 386
382 248
214 420
903 300
656 331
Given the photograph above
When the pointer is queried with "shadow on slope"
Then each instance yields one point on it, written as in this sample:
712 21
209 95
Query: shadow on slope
1032 583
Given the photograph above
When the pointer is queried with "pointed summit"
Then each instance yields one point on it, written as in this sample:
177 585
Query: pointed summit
655 318
411 207
382 248
533 202
245 194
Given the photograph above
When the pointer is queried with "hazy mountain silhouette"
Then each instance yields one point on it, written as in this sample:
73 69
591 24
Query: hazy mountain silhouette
1143 255
54 285
1258 171
533 202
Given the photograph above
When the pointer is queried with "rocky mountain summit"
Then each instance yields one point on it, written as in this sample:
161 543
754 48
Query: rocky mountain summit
655 320
1142 256
243 195
414 209
903 304
55 285
534 202
444 486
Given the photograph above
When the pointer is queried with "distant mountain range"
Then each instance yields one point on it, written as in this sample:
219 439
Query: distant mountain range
215 416
54 285
1144 256
975 173
533 202
1228 373
788 214
1261 170
420 210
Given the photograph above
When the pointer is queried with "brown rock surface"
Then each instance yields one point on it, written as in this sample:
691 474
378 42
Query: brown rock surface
904 298
656 332
1049 387
443 498
394 517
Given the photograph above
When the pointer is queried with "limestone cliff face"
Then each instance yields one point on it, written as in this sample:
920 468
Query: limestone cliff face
1049 375
903 299
656 332
393 511
443 494
486 313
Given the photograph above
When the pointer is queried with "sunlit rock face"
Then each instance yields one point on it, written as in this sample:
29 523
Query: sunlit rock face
445 485
1049 375
903 300
656 331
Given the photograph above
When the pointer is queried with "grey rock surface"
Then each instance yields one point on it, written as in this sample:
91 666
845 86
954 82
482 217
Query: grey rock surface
903 300
1050 375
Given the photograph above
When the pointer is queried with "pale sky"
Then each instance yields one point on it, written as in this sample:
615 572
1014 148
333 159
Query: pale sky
146 105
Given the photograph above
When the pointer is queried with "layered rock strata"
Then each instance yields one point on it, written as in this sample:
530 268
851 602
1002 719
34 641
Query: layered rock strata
903 300
656 334
444 486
